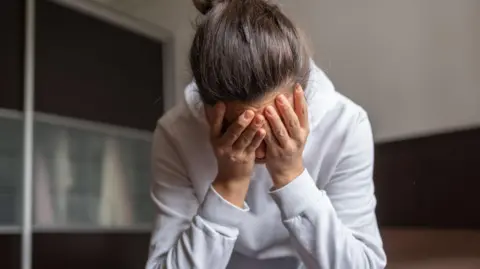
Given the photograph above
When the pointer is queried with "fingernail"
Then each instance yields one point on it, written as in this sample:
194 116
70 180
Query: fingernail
269 110
258 120
248 115
261 132
283 99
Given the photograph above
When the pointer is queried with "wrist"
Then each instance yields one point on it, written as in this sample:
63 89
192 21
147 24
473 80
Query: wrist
232 190
283 178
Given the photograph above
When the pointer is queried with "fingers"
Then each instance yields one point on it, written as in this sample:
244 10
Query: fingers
270 139
237 128
217 120
300 105
290 118
249 133
277 128
257 140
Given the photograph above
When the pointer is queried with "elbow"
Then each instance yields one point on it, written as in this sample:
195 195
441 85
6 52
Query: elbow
374 259
360 256
152 264
364 256
156 260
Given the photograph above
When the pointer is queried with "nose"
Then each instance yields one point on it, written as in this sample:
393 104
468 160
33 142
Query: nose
260 153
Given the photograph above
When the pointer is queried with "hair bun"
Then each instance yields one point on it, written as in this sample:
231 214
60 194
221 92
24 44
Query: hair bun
204 6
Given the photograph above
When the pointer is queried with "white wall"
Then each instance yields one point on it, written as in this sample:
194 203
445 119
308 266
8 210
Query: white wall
413 64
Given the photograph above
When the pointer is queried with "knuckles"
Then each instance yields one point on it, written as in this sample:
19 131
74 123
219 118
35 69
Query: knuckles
232 156
290 149
280 133
244 139
293 123
242 124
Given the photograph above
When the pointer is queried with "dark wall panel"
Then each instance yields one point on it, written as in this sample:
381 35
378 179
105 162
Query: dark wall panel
10 249
11 53
430 181
89 69
92 251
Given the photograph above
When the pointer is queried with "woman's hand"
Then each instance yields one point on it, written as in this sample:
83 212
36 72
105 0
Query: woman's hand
235 152
287 133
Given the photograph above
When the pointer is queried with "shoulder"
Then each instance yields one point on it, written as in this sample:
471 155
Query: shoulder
348 126
349 109
179 121
179 129
175 128
335 113
181 140
344 116
343 126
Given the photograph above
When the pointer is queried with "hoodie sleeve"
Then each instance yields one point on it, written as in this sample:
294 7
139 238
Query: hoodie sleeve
336 227
188 233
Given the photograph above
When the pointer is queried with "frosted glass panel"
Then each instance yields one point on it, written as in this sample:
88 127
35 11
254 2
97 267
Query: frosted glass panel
11 141
85 178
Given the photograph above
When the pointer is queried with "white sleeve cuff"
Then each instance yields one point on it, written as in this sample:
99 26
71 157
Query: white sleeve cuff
220 211
298 195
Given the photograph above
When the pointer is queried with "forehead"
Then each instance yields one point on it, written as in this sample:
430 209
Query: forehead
235 109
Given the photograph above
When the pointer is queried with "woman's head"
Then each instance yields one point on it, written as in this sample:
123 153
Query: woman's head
245 49
244 53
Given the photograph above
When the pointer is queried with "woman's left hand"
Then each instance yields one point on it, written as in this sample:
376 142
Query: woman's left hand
287 133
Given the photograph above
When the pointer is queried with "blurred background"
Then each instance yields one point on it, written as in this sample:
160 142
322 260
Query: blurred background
105 70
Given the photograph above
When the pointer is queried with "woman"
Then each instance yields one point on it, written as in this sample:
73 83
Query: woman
251 171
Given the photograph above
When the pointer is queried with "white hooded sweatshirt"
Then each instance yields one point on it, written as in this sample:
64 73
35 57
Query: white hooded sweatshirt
324 219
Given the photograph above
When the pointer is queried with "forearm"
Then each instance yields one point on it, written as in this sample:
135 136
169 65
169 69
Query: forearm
232 190
200 246
206 243
320 237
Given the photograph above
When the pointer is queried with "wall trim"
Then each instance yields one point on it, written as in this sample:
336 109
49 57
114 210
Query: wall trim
108 129
8 230
423 134
92 229
84 125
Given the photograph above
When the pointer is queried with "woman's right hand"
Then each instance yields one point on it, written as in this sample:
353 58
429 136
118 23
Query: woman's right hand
235 152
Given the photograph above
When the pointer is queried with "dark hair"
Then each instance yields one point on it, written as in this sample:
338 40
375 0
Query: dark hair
244 49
